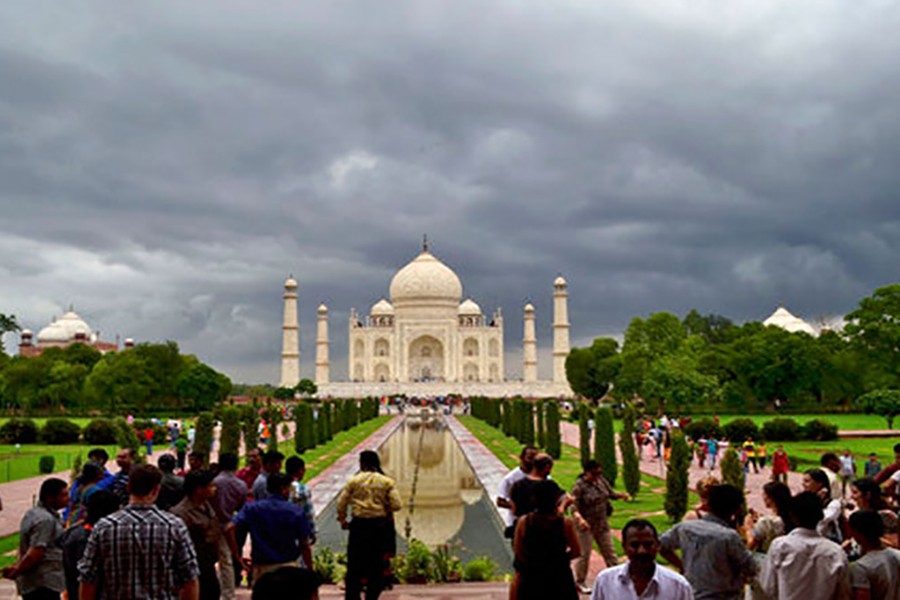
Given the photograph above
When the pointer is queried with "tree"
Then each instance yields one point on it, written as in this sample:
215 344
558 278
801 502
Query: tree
676 381
647 340
203 436
885 403
605 443
584 432
120 383
540 438
732 471
713 328
126 436
677 480
250 426
165 364
554 441
8 324
284 393
203 386
591 371
306 388
528 422
875 328
230 435
631 469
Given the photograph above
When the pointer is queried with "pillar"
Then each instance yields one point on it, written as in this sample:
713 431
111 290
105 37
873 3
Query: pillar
530 346
290 337
560 329
323 366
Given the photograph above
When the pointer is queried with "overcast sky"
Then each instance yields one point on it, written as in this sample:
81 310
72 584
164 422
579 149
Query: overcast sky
165 165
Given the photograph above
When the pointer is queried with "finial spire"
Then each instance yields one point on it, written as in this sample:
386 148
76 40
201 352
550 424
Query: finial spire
425 243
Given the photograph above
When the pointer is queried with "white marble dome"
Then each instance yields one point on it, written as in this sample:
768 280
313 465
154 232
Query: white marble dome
783 318
425 278
469 308
381 308
64 329
290 283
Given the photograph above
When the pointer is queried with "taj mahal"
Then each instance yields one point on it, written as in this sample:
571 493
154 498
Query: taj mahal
427 340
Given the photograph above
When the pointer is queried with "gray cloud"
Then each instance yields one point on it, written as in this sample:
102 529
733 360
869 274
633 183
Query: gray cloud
165 166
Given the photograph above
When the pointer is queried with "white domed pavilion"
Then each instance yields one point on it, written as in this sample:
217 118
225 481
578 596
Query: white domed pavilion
783 318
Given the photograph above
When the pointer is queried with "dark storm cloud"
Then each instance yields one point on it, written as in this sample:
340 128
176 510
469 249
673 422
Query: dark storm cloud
166 165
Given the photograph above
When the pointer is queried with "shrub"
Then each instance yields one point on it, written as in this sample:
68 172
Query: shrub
46 464
554 442
540 438
230 435
327 564
584 432
160 433
677 478
250 426
818 430
60 431
631 468
203 436
605 443
100 432
741 429
445 566
732 472
781 430
126 436
418 562
19 431
480 569
704 428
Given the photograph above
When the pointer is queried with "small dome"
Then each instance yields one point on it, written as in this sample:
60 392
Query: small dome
27 333
469 308
322 308
65 329
560 281
425 278
785 320
381 308
290 283
529 308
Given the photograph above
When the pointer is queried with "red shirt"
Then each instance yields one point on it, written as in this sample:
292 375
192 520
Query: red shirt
780 462
248 475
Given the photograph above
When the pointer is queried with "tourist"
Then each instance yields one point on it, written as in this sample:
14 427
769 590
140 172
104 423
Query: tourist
254 467
372 499
803 565
764 529
141 551
713 555
872 466
848 470
866 495
87 483
761 454
640 574
231 495
523 500
592 496
171 490
749 455
181 448
119 484
816 481
302 583
73 542
148 439
504 493
39 571
701 450
271 463
295 468
191 437
702 508
198 514
712 449
544 543
780 465
830 464
875 575
886 474
98 456
174 434
196 461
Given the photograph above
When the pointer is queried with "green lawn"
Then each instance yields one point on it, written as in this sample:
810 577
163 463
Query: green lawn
321 457
22 463
807 453
9 550
648 504
844 422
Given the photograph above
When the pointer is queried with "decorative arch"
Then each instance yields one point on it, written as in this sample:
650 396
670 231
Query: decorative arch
382 372
494 348
494 373
426 359
359 373
470 347
470 372
359 348
382 347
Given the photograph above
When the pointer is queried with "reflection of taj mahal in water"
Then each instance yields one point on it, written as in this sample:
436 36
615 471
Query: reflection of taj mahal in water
428 340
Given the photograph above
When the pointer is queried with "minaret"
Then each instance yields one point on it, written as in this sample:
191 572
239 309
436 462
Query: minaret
530 346
290 337
322 364
560 329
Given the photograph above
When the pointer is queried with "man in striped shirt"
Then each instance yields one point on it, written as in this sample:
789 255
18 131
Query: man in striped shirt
140 552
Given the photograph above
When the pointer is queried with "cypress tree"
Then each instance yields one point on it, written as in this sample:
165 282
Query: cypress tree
732 472
554 442
605 443
528 415
506 407
329 423
230 436
320 425
250 426
584 432
631 468
126 436
203 437
539 416
300 443
273 417
677 477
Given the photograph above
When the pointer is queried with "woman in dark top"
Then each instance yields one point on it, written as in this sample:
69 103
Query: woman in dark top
545 542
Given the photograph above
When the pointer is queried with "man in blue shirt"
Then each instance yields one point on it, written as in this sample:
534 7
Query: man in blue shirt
278 529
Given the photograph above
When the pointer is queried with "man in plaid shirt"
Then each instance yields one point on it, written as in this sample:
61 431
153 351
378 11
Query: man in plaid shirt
140 552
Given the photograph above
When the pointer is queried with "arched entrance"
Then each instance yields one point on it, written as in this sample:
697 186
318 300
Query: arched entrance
426 359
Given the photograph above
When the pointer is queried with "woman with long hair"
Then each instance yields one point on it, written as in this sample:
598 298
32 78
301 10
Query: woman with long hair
866 495
816 481
766 528
91 475
544 543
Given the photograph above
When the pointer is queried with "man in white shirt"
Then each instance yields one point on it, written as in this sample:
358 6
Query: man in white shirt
803 565
504 493
640 578
877 573
831 464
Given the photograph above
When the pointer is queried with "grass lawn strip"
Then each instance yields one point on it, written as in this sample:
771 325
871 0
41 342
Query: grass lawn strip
321 457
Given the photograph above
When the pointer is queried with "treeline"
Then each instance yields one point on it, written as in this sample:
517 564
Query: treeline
148 378
533 423
706 362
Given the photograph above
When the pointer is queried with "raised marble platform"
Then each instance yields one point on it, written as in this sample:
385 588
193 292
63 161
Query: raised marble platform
536 389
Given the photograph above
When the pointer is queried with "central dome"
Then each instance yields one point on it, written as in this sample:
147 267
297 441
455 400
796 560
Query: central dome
426 278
